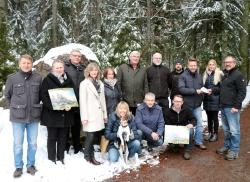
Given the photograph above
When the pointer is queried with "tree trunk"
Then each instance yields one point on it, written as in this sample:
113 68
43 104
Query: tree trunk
149 38
244 37
54 23
3 10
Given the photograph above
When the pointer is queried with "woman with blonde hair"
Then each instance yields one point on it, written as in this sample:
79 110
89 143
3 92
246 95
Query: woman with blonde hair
122 117
92 108
211 80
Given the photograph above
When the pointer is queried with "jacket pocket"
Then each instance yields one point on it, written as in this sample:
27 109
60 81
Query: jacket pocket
18 111
35 87
36 110
18 89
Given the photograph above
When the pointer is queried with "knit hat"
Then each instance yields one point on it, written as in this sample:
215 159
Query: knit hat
178 61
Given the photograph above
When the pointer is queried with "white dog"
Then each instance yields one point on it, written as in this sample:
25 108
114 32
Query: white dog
124 133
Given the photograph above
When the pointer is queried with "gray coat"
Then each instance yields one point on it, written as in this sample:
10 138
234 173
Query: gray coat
22 93
132 83
188 84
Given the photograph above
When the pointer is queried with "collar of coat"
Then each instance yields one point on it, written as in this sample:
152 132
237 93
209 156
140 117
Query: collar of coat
91 86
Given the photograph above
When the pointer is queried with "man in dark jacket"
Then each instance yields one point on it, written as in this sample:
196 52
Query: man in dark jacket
178 70
177 115
149 120
159 82
132 81
232 93
22 93
75 69
190 84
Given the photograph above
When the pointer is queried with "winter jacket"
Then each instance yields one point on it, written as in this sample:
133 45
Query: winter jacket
132 83
76 73
22 93
233 89
174 83
112 96
50 117
159 81
149 120
183 118
113 126
188 84
211 102
92 106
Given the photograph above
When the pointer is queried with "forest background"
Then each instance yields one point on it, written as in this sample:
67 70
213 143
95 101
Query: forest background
178 29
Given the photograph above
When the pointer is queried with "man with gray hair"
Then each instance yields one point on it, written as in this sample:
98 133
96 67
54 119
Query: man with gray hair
132 81
149 120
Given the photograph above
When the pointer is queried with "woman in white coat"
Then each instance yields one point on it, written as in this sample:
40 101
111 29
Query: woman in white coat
92 108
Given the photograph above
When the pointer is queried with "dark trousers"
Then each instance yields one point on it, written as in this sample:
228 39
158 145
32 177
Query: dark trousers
212 120
56 143
89 145
164 105
75 133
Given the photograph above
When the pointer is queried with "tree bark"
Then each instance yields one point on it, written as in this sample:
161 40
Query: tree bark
3 10
54 23
244 38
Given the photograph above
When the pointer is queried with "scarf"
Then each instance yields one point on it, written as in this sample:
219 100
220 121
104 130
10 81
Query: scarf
111 82
61 78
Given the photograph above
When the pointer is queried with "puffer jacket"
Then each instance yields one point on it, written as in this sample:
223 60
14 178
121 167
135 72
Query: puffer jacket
175 82
22 93
211 102
112 96
149 120
188 84
113 126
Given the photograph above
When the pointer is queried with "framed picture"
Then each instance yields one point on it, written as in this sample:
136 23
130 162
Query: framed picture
62 98
176 134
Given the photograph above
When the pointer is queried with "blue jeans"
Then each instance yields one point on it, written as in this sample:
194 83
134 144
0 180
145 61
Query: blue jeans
231 127
18 134
133 147
198 136
149 139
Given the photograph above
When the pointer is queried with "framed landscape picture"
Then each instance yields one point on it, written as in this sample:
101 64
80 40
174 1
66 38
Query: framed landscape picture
62 98
176 134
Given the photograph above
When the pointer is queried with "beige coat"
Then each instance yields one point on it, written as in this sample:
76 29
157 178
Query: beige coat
92 106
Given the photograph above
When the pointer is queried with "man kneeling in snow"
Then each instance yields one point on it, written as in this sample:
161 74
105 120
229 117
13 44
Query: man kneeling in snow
149 120
122 134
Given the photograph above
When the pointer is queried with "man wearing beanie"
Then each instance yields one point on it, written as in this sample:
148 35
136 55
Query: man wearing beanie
159 82
178 70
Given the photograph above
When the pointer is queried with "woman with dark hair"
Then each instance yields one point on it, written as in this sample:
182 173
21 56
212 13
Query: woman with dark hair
57 121
112 94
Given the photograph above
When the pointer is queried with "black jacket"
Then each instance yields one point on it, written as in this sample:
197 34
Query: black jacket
50 117
188 84
112 96
76 73
233 89
113 126
183 118
174 83
159 81
211 102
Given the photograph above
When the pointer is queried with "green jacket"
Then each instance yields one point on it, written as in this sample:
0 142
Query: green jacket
132 83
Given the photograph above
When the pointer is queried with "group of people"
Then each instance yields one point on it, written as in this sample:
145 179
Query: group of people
135 98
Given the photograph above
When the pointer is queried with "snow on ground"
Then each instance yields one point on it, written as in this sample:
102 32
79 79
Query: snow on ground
75 168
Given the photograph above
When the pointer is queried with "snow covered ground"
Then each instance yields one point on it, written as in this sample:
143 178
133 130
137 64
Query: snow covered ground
75 168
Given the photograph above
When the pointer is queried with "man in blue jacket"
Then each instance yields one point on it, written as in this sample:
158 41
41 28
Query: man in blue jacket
190 84
149 120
